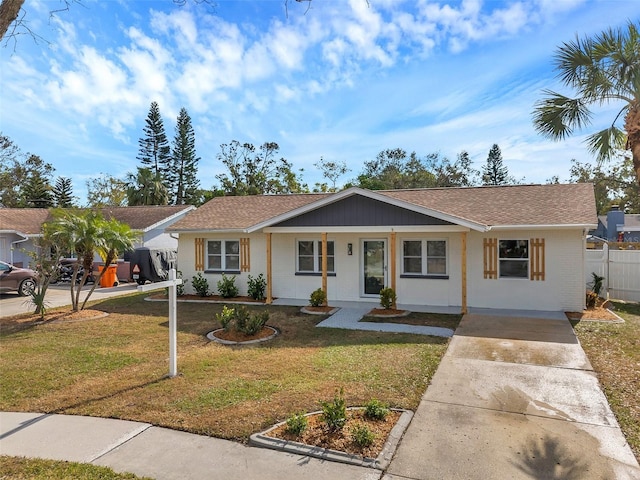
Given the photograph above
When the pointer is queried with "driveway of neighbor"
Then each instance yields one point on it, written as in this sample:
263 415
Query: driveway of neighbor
514 398
58 296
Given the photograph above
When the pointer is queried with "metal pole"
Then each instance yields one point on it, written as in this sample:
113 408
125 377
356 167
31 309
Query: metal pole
173 330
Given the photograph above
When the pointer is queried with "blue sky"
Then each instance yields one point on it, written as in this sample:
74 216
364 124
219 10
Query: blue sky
343 80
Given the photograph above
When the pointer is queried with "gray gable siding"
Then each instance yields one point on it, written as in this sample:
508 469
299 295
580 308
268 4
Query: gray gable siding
360 211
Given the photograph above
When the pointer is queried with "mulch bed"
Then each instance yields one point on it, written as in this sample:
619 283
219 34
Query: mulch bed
318 435
235 336
599 313
387 312
326 309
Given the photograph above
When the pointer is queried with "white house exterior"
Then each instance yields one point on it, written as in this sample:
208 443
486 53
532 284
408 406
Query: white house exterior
518 247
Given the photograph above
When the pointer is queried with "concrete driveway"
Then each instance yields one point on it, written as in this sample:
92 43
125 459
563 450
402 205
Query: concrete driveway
57 296
514 398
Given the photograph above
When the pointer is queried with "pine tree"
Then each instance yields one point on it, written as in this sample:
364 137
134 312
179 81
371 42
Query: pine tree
155 153
185 162
36 191
494 171
63 193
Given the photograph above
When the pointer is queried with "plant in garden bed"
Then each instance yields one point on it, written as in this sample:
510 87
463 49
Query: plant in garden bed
387 298
334 413
227 287
318 298
240 321
296 424
376 410
200 285
256 287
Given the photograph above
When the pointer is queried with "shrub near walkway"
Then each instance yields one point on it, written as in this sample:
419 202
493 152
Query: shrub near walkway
116 367
614 352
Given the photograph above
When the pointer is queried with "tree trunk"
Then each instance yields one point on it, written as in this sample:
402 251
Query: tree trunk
9 10
632 126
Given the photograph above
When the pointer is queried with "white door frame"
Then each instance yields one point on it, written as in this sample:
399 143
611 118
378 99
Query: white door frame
385 261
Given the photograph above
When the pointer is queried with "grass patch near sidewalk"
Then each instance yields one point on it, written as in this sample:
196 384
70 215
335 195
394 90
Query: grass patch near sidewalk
614 352
20 468
116 366
444 320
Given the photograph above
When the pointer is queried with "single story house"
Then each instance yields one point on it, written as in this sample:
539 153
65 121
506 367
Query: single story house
617 226
519 246
19 227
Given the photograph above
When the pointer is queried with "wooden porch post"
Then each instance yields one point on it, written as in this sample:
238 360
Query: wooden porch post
269 275
392 269
463 261
324 267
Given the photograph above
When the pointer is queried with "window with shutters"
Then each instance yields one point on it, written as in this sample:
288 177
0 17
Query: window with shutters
223 256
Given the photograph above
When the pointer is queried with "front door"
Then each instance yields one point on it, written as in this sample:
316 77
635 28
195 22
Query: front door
374 266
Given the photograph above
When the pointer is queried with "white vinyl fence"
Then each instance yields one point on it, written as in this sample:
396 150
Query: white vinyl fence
620 269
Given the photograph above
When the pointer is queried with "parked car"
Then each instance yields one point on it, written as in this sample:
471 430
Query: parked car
22 280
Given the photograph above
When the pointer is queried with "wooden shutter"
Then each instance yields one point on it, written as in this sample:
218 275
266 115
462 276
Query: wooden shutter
199 254
536 258
245 255
490 258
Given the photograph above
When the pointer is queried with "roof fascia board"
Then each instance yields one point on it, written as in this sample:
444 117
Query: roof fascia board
207 232
368 194
370 229
170 217
568 226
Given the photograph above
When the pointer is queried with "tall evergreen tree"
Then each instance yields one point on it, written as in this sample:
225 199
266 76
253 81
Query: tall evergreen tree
63 193
494 171
182 177
154 152
36 191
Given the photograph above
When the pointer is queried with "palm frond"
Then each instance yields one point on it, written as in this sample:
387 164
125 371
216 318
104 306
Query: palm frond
606 143
572 59
558 116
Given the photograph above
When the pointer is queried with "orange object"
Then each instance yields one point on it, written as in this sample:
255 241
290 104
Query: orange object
110 277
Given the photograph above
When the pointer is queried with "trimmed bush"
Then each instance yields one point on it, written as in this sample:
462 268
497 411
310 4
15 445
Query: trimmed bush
362 436
226 317
296 424
227 287
334 413
387 298
256 287
376 410
200 285
318 298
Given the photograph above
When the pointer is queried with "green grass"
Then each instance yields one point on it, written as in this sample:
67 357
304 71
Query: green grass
614 352
117 367
18 468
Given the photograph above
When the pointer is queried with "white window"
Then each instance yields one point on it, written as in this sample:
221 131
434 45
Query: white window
310 256
424 257
513 256
223 255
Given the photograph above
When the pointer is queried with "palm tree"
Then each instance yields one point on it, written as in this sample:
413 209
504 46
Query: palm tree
147 188
116 238
602 70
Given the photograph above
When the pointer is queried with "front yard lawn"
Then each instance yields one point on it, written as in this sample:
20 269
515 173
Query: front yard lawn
614 352
116 366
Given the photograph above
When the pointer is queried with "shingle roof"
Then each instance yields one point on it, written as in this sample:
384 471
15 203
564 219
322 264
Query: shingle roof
518 205
29 220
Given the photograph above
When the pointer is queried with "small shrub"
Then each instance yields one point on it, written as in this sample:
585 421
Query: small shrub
200 285
227 287
592 299
597 283
180 288
318 297
241 318
362 436
387 298
255 323
334 413
256 287
296 424
226 317
376 410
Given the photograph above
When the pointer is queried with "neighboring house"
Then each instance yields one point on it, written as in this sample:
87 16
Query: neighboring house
617 226
489 247
19 227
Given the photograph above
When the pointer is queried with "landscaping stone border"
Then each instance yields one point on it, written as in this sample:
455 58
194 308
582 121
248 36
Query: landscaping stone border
381 462
314 312
213 338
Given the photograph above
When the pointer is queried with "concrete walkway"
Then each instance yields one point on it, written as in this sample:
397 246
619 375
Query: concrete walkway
514 398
